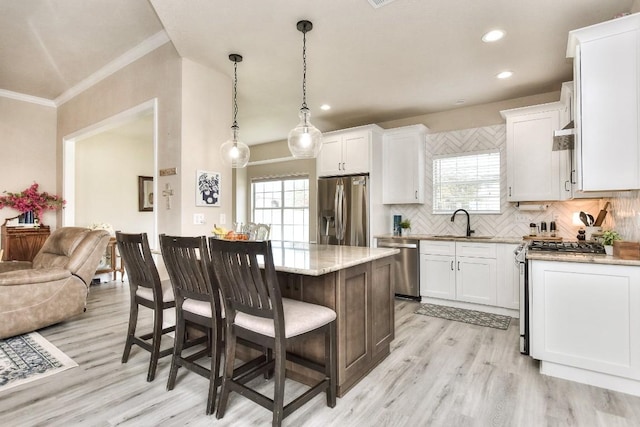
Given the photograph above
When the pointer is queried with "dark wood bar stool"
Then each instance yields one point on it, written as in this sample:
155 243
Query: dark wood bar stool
197 303
148 291
256 311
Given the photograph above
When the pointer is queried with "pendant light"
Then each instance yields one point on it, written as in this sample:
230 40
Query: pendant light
235 152
305 140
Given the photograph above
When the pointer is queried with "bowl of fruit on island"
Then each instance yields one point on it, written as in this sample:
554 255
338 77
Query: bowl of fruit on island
223 233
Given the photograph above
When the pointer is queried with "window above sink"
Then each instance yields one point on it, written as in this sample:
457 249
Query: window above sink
470 181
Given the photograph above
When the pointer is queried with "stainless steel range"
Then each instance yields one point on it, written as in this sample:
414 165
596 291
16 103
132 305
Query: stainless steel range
580 247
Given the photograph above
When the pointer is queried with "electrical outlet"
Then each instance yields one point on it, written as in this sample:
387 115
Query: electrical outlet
523 218
198 219
223 219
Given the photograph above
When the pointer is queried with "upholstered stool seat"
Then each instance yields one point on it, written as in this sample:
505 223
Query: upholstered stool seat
299 318
167 292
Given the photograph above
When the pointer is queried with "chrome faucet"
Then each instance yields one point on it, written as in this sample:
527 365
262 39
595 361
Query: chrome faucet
469 230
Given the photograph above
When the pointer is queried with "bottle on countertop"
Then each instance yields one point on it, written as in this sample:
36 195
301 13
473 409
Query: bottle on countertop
552 229
533 229
543 229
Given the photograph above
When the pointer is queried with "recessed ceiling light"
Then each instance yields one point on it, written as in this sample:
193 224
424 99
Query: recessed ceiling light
325 107
505 74
493 36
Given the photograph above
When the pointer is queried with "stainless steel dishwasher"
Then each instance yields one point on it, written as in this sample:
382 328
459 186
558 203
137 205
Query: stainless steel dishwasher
407 265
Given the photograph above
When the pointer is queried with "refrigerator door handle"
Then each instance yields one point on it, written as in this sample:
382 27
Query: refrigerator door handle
344 209
339 204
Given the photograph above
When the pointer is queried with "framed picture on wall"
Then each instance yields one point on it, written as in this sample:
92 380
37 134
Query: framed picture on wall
145 193
207 188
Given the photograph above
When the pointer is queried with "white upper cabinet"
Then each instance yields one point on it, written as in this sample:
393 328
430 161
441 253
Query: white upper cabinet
403 156
606 73
533 168
347 152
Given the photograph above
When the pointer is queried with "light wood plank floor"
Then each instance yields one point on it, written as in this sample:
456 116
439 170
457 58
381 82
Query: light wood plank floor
439 373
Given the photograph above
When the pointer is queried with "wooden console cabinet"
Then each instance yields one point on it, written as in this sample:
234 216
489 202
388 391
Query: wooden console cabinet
22 243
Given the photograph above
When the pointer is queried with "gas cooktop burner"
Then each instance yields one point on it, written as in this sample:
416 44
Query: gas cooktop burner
576 247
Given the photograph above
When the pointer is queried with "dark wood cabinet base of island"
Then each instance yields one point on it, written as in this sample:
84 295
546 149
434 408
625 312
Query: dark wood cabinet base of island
363 299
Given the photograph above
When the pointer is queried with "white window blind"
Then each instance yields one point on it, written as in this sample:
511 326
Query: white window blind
284 205
467 181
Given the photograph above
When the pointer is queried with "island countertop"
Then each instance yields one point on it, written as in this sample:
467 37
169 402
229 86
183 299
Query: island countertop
312 259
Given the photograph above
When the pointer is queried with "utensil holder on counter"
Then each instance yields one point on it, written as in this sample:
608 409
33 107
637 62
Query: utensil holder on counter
590 232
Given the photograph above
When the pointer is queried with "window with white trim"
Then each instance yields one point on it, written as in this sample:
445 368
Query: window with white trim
468 181
283 204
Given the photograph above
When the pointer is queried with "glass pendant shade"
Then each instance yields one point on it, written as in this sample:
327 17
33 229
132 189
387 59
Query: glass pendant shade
305 140
234 152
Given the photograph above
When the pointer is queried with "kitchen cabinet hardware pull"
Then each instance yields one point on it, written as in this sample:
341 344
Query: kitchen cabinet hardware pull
451 265
509 191
573 175
416 194
565 186
458 265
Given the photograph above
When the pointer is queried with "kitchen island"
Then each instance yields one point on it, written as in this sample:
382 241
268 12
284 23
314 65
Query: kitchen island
356 282
585 318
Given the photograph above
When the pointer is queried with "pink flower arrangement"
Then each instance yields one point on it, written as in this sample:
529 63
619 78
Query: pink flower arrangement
31 200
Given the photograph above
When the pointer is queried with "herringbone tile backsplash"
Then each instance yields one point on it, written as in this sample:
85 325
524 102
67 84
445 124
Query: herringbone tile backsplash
624 212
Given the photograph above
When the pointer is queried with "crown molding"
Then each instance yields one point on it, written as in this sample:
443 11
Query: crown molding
147 46
27 98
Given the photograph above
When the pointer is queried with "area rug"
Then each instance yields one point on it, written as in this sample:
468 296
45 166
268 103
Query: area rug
466 316
29 357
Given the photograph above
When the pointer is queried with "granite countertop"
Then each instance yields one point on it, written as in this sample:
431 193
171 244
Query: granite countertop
315 260
476 239
583 258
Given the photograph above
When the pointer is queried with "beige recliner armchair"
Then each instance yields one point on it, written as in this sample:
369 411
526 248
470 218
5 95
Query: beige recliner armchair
54 286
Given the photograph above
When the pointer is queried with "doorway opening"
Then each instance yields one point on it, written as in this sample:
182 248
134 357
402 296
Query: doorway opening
102 164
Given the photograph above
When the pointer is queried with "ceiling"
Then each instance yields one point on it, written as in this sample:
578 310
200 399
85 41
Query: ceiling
406 58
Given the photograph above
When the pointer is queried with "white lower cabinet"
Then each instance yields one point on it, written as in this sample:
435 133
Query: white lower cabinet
469 272
585 322
437 276
458 271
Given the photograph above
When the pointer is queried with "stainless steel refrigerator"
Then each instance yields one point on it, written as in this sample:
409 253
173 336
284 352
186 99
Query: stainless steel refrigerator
343 210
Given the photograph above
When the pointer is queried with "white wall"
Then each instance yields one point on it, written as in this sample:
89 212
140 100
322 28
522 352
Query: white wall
27 151
206 120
